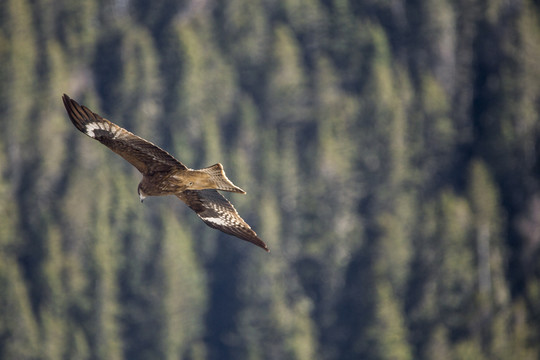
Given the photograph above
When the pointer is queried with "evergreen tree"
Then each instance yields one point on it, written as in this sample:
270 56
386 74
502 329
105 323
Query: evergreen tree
102 287
206 89
19 334
246 37
181 287
17 76
276 324
389 333
286 97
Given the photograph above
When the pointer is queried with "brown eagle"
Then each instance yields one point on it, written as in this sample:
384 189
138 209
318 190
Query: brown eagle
164 175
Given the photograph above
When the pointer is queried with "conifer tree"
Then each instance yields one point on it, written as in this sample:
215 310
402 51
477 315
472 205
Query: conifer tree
286 97
19 333
181 287
283 328
102 288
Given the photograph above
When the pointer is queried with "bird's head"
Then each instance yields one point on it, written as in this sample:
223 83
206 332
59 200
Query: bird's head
142 195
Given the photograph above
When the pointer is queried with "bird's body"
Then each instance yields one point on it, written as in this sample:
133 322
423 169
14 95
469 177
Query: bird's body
164 175
177 180
166 183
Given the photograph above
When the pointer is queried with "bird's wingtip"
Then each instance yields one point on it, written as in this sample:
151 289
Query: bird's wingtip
263 246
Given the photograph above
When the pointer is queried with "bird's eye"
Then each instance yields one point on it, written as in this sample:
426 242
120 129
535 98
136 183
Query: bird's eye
190 183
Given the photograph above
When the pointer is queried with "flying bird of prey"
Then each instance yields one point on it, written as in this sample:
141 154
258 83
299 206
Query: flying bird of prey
164 175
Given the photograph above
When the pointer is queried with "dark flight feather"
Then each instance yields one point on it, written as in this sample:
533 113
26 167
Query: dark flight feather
145 156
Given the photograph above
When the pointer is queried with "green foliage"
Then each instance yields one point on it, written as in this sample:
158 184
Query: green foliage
17 77
276 323
18 328
246 32
76 28
103 287
389 151
389 332
286 97
180 311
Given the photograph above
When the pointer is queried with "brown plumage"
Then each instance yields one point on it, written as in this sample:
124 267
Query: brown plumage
164 175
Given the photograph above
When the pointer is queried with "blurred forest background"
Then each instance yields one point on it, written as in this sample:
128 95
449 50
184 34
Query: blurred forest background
390 151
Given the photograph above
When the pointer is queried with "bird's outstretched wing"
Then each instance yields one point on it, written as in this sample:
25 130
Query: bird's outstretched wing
145 156
219 213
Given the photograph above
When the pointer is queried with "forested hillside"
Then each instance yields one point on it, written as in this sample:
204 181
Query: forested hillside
389 150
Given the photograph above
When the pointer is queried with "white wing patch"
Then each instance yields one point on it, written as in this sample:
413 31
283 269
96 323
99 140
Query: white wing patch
89 130
226 217
91 127
217 221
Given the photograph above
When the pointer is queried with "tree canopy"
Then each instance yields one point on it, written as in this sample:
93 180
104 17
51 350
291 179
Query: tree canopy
389 149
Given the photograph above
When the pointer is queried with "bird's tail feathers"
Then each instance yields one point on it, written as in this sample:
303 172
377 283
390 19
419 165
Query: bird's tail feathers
220 180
